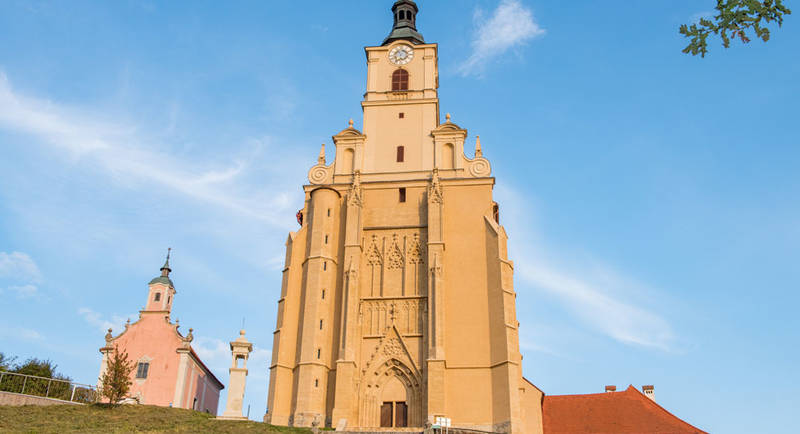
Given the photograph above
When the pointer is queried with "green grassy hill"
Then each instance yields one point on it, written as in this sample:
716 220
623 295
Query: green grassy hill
123 419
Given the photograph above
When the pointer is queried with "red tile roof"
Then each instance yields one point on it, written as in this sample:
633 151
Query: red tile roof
628 411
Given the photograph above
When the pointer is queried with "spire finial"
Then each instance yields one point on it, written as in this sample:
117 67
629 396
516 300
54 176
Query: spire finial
447 116
321 159
478 150
351 123
165 270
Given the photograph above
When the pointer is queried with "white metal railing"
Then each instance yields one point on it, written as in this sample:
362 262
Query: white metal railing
47 387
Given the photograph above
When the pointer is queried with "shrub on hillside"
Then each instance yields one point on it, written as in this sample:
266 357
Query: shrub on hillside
116 381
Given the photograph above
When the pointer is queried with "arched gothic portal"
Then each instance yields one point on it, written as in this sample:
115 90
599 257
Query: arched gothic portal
392 387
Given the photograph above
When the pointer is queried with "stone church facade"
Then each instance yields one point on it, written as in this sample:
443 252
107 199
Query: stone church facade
397 303
397 306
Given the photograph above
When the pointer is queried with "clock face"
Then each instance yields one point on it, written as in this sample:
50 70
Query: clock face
401 54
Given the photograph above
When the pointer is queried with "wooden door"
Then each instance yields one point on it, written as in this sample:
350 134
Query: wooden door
400 414
386 414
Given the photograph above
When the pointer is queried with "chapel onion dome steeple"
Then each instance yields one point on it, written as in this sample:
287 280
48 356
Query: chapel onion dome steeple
405 23
165 270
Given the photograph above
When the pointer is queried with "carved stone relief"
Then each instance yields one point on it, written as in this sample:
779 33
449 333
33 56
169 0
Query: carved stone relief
394 264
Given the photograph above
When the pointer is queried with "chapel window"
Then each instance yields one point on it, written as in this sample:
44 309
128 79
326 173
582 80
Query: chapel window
402 197
400 80
401 151
141 370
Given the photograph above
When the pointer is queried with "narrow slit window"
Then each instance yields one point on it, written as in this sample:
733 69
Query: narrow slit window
319 353
316 382
401 154
320 324
326 239
323 294
400 80
402 197
329 212
324 266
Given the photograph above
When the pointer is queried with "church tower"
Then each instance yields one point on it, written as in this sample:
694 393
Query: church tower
397 304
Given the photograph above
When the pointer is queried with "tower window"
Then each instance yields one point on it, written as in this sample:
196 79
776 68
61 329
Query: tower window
329 212
323 294
141 369
324 266
169 299
401 115
400 80
316 382
320 324
326 239
402 194
158 296
319 353
401 151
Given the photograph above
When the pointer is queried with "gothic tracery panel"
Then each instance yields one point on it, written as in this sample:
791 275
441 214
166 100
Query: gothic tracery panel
408 315
394 263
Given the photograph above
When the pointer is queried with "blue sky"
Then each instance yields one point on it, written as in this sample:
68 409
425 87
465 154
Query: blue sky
652 198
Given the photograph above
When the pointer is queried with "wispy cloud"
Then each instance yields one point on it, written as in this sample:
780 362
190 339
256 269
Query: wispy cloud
510 25
116 323
594 302
24 291
18 265
19 333
20 275
123 153
601 297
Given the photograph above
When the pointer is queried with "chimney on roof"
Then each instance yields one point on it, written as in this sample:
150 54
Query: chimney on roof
649 391
611 388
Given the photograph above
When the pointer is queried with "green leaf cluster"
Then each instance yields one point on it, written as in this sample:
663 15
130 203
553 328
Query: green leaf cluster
733 20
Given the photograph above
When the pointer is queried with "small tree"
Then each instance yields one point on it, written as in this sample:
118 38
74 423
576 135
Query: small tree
116 381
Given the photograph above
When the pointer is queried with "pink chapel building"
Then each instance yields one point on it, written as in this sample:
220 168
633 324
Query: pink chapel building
167 372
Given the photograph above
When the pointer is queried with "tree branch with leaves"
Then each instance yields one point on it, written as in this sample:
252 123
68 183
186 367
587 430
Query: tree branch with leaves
733 19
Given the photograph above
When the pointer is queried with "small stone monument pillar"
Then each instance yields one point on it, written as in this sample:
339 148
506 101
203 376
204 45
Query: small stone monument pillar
240 351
